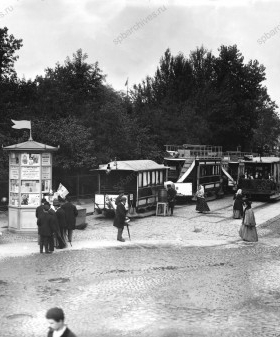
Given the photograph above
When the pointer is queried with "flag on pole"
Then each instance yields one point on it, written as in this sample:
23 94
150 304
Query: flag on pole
21 124
126 83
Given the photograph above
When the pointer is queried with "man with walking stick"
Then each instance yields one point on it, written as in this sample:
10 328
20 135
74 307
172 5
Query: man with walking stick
120 219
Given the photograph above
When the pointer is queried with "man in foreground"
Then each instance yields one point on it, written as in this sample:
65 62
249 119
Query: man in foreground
55 317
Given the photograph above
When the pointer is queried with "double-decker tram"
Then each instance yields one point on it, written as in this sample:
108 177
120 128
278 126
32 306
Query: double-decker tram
193 165
260 177
231 162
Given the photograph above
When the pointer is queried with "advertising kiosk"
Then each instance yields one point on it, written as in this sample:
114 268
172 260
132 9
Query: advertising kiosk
30 178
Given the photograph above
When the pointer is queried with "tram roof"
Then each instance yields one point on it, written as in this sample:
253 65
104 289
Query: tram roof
263 160
133 165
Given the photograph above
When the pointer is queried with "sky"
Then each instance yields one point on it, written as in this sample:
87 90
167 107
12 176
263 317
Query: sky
128 37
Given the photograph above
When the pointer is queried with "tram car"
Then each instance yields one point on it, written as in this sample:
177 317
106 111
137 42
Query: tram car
140 180
259 178
194 165
231 163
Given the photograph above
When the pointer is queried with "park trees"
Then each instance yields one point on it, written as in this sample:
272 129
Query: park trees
203 98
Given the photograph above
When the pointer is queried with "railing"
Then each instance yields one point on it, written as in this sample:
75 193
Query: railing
194 151
238 155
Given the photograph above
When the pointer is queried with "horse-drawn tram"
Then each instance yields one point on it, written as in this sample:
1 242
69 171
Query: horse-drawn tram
193 165
140 180
231 163
260 177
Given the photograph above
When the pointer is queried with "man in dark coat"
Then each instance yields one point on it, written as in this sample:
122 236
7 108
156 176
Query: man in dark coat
39 209
46 230
71 214
120 217
38 212
60 217
55 317
171 195
119 197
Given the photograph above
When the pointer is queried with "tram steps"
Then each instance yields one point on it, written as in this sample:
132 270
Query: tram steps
187 164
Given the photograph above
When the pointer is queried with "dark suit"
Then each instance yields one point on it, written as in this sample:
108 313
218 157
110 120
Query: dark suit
120 216
71 213
66 333
119 220
171 196
46 230
57 220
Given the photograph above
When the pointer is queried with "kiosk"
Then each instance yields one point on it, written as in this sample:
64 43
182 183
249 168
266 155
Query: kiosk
30 177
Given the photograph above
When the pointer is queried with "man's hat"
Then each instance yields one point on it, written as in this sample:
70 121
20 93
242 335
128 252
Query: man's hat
46 205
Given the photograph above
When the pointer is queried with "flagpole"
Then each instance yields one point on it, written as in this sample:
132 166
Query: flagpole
127 88
30 137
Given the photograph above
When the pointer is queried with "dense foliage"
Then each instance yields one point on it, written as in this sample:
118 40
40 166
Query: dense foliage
200 99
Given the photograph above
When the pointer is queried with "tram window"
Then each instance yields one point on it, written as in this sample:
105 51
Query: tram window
144 179
156 177
140 180
153 177
148 178
161 177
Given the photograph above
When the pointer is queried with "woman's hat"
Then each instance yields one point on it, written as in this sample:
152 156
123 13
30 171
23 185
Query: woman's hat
248 202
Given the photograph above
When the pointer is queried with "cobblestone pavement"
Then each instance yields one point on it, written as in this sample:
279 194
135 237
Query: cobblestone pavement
187 275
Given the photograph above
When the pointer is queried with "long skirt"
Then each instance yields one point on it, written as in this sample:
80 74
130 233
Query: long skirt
248 233
201 205
237 214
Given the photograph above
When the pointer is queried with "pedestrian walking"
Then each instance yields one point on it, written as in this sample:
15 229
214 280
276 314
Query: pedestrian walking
171 198
238 205
57 327
71 214
120 217
248 231
46 230
201 204
61 221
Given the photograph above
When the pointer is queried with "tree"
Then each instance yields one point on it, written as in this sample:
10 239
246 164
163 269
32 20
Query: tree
77 148
8 46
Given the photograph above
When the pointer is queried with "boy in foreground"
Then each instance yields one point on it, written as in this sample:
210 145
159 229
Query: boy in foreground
55 317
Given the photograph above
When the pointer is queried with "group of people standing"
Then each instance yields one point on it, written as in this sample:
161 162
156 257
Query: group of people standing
55 224
247 231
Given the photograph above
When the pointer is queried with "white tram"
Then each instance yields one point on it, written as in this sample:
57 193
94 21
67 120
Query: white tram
192 165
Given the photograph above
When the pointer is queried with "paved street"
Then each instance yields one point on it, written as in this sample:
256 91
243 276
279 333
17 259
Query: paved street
187 275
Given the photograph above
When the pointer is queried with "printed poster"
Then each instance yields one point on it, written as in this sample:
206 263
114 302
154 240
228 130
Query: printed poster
46 173
46 159
14 172
30 172
31 159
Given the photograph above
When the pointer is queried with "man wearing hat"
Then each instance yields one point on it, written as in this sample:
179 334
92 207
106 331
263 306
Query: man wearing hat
120 217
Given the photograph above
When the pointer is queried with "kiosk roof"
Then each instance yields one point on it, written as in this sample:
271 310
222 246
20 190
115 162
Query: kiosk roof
30 145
